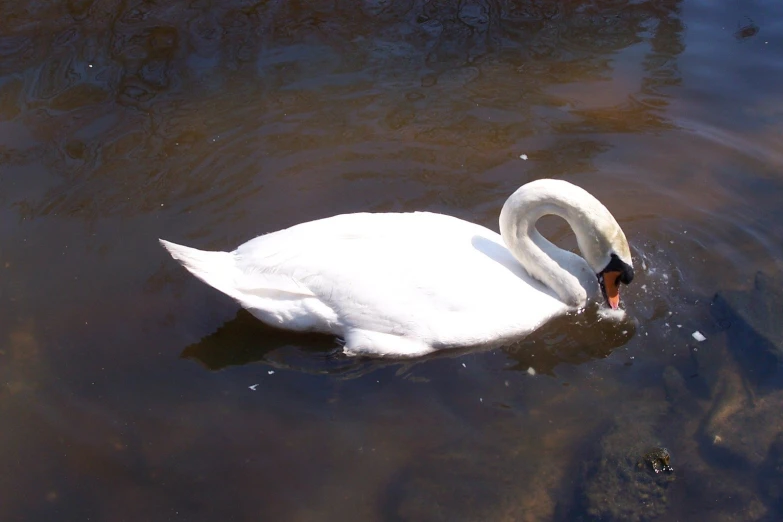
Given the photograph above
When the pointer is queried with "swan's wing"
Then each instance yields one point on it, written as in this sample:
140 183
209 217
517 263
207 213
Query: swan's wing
417 274
314 258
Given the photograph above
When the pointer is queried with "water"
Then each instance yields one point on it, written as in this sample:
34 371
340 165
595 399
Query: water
126 383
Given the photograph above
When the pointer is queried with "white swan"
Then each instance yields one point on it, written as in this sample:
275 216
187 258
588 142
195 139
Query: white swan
405 284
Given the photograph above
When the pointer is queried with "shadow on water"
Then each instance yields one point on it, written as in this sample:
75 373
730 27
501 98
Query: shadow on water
571 339
244 339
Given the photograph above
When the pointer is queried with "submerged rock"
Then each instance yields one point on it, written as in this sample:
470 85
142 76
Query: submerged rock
771 474
731 442
746 416
657 459
630 478
752 322
742 428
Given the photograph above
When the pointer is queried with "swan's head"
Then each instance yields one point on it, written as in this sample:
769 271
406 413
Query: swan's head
615 272
609 256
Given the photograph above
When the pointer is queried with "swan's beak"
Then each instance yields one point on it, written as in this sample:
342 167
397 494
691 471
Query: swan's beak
612 289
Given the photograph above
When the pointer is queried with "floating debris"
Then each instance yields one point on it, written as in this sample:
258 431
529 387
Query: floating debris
270 372
698 336
523 156
531 371
253 387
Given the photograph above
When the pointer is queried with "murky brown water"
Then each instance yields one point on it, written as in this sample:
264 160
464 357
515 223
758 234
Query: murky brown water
124 382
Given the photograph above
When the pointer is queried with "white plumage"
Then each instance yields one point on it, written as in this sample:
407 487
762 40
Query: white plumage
405 284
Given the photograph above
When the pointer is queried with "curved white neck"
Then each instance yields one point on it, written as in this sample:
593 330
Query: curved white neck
565 273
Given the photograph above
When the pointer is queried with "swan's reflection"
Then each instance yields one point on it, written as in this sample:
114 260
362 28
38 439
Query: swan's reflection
571 339
244 339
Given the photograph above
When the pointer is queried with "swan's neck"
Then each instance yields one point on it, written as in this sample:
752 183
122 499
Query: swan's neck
558 269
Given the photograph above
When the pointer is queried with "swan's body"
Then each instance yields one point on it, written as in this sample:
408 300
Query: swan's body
407 284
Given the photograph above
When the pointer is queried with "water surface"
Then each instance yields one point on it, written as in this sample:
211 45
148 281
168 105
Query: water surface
126 383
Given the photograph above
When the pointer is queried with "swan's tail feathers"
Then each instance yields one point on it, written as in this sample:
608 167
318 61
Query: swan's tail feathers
217 269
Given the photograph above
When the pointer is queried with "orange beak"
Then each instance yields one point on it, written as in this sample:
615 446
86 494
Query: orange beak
612 289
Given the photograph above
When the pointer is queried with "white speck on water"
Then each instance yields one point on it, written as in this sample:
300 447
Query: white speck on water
644 287
253 387
523 156
89 65
698 336
531 371
632 357
667 325
270 372
625 332
481 400
506 383
665 277
679 326
463 365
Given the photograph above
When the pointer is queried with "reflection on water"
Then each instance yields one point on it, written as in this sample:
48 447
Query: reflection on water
207 123
572 339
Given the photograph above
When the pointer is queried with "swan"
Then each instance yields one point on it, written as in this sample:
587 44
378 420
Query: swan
407 284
